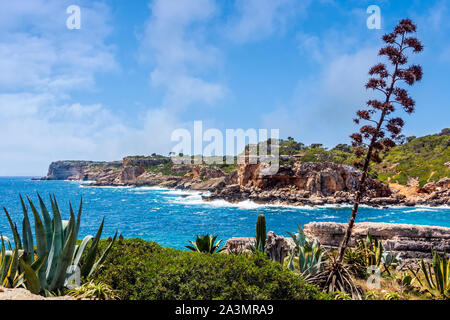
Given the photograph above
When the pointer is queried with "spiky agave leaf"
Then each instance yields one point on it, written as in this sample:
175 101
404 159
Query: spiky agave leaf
41 242
48 224
90 257
27 234
57 240
13 226
52 258
103 256
65 258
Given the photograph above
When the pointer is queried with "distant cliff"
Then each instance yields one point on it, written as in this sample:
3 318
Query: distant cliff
296 182
79 170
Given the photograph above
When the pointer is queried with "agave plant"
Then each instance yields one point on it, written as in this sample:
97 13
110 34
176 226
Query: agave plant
437 276
390 260
205 243
306 257
372 251
49 267
9 264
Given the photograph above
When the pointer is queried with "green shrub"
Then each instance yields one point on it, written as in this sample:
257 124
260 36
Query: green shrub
138 269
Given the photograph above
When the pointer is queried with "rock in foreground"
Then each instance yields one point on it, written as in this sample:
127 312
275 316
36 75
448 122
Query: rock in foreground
410 241
23 294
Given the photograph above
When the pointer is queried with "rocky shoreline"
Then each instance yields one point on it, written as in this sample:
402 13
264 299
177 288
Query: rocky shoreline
295 184
410 242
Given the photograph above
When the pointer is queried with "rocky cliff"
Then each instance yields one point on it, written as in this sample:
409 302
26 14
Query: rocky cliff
310 183
80 170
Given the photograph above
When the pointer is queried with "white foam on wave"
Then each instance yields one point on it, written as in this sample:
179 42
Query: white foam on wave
196 199
106 187
152 188
86 181
178 192
326 216
430 209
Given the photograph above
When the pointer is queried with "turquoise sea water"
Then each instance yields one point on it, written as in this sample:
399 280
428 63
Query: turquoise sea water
172 217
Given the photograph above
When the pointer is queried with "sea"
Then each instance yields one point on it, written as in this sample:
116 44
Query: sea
172 217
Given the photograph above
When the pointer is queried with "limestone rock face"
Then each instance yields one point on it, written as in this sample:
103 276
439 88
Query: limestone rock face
298 184
411 241
277 247
321 178
130 174
78 170
206 172
239 245
441 185
210 184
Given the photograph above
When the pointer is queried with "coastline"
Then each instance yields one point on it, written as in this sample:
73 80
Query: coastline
310 184
248 202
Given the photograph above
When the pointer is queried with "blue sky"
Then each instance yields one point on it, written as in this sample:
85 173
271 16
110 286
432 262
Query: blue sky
137 70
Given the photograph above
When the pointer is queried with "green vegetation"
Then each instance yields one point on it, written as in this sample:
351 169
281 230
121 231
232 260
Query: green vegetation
437 276
421 158
370 252
307 256
93 291
205 243
9 264
165 169
342 153
45 268
350 279
138 269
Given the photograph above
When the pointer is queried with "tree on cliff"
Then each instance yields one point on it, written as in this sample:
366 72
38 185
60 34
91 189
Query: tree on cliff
381 129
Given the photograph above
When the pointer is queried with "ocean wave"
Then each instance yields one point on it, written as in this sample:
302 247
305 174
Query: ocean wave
196 199
106 187
152 188
179 192
326 216
430 209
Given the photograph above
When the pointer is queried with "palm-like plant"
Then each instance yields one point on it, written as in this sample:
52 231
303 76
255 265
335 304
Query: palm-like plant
205 243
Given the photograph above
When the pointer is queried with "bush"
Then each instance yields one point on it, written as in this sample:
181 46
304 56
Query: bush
138 269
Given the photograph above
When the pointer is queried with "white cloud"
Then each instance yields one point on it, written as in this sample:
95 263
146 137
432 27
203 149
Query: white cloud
42 63
182 59
257 19
41 54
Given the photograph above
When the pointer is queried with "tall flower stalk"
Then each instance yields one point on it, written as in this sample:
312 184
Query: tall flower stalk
381 130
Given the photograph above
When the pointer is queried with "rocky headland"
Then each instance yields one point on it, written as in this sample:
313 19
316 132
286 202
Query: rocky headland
297 183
